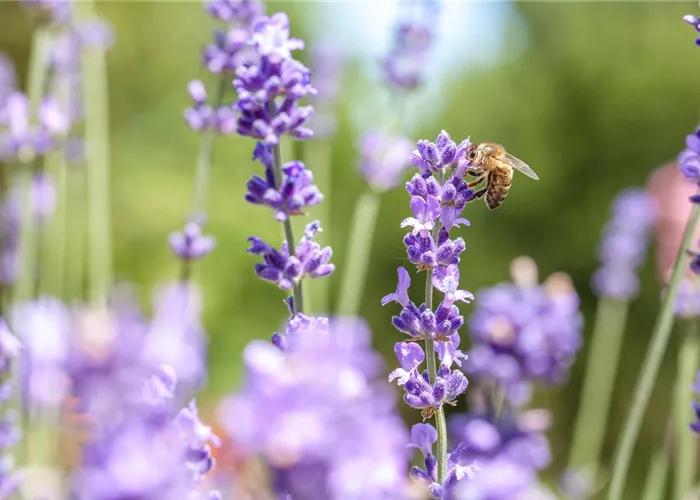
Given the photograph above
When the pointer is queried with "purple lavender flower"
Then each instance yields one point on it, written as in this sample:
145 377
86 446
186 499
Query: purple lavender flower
405 64
525 332
44 328
441 155
191 244
688 301
423 437
202 117
695 23
297 190
270 87
296 327
509 450
8 78
145 450
236 12
624 244
308 261
11 434
383 159
319 432
689 158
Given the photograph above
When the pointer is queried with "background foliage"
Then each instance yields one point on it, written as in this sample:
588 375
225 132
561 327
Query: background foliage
594 97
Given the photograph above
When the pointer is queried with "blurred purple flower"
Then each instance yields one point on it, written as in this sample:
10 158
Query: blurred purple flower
146 450
688 301
297 190
235 12
229 50
10 432
405 64
191 244
44 327
308 261
423 436
327 61
509 450
695 426
296 327
383 159
624 245
201 116
525 332
319 417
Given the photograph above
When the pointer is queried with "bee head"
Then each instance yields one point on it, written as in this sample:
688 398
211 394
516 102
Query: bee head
474 155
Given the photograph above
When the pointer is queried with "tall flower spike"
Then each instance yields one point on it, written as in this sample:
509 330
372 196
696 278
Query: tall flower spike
431 249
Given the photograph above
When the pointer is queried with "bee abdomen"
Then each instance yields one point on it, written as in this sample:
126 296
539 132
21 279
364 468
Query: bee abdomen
497 190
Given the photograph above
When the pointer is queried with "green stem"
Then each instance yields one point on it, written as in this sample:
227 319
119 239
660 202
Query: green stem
650 367
601 369
288 231
317 154
97 156
688 356
655 485
357 257
55 254
76 207
205 155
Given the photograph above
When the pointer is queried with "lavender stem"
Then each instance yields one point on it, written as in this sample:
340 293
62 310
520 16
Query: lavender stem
38 73
440 423
287 224
357 258
601 369
655 485
97 158
652 362
205 155
688 357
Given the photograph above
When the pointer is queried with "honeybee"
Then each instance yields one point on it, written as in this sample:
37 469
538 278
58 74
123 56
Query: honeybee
496 171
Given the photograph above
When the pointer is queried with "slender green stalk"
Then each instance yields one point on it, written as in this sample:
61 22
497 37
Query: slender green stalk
601 369
97 156
317 155
38 74
357 259
55 254
288 231
688 357
205 155
650 367
76 208
655 485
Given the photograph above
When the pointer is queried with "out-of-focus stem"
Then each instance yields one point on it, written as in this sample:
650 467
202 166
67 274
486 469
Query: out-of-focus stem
288 231
655 485
317 156
76 206
685 443
36 81
649 370
205 155
599 382
97 158
357 258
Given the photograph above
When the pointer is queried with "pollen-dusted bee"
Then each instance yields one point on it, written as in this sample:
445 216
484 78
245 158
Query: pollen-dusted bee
496 171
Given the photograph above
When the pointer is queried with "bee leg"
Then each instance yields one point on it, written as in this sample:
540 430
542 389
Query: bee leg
475 172
476 182
480 194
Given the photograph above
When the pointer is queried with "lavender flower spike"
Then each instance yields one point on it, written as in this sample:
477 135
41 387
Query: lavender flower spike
10 432
383 159
191 244
695 23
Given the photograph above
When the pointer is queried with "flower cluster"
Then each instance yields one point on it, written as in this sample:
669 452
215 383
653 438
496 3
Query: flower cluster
423 437
509 450
191 244
297 326
320 417
405 64
524 332
270 86
229 51
146 450
625 240
309 260
689 159
295 193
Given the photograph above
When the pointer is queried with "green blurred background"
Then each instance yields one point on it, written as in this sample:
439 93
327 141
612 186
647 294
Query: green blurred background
593 95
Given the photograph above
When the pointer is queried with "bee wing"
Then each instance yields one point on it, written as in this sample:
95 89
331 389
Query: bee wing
520 166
